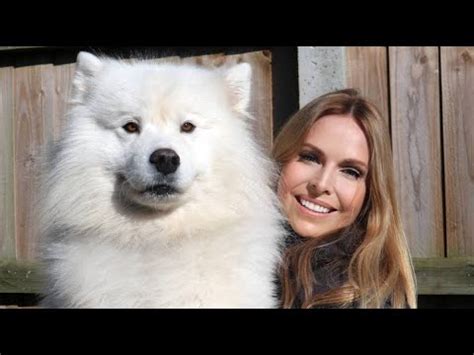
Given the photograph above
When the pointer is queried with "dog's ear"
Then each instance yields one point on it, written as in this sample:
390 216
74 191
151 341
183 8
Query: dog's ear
87 66
238 78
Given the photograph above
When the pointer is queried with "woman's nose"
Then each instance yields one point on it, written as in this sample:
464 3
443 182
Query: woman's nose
321 183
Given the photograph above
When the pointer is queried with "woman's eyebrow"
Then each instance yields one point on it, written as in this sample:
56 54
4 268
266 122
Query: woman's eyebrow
313 147
350 161
354 162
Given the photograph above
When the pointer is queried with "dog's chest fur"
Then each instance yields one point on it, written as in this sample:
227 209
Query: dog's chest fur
201 272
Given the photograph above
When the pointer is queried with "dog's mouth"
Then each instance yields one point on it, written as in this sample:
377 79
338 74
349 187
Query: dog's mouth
160 190
159 196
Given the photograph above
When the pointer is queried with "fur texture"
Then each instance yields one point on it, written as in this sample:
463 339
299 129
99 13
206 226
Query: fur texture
120 233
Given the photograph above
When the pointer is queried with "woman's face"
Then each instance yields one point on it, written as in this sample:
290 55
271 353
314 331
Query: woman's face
323 188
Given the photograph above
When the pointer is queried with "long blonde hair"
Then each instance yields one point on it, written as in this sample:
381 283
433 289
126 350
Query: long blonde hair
380 269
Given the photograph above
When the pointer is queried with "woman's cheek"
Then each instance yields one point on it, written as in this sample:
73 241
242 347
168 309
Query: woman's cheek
351 195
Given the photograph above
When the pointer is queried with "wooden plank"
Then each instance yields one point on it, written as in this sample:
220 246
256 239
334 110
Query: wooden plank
261 103
445 276
457 71
63 76
7 199
33 127
366 70
260 107
435 276
20 277
416 141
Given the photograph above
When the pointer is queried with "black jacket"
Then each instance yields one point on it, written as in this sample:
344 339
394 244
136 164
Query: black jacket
330 262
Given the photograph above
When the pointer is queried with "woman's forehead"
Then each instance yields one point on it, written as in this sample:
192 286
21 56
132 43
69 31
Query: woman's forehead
339 134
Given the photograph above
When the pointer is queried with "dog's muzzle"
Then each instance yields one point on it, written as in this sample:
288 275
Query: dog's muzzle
161 190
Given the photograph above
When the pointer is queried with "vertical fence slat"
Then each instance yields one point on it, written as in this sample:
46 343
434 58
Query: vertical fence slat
366 70
261 106
63 76
416 137
34 88
7 205
457 70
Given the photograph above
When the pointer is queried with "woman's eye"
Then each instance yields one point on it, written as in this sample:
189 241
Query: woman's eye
305 156
131 127
352 172
187 127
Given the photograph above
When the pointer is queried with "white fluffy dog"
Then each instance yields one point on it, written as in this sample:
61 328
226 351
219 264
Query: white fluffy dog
157 194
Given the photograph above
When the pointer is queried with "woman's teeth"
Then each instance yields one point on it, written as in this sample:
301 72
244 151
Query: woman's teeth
314 207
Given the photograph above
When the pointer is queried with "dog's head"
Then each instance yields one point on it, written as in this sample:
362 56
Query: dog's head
154 127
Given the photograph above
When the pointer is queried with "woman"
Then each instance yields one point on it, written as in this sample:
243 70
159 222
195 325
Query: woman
346 246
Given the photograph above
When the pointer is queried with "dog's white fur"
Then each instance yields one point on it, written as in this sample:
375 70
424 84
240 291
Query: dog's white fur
215 244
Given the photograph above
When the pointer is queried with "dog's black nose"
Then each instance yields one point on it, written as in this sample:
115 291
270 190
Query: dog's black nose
165 160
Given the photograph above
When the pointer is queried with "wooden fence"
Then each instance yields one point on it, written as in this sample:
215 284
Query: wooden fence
426 93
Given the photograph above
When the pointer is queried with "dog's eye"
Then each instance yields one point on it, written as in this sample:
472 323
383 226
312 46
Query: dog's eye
187 127
131 127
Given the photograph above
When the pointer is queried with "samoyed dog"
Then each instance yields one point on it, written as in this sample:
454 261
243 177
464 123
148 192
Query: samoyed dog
157 194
